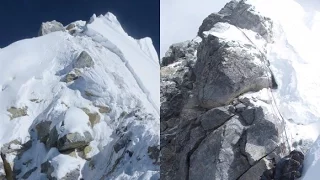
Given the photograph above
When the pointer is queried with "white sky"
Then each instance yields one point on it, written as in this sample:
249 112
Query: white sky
180 19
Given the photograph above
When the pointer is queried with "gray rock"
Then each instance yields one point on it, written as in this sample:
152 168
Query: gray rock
48 169
70 26
215 157
73 75
256 171
43 130
262 137
17 112
74 140
104 109
248 115
49 27
215 118
183 50
240 107
227 69
241 15
206 131
12 146
52 138
171 100
84 60
74 174
94 117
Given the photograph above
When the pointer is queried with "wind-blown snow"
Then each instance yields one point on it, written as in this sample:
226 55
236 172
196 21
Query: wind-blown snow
75 120
147 78
124 78
294 57
294 60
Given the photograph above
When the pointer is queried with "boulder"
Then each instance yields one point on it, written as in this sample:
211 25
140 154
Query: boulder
183 50
49 27
216 157
47 168
226 69
74 140
72 76
104 109
171 100
94 117
215 118
43 130
262 137
242 15
84 60
17 112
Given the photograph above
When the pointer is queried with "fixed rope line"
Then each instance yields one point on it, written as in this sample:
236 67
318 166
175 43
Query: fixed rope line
272 96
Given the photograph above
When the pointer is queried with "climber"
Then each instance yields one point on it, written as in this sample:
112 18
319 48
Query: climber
288 168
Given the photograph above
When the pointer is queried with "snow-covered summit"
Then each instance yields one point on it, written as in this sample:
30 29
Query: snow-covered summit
80 101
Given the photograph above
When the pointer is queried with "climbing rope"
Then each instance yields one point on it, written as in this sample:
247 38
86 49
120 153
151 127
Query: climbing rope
274 103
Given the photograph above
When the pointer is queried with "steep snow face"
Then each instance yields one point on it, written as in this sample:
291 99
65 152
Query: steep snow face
294 56
137 57
312 162
95 92
294 60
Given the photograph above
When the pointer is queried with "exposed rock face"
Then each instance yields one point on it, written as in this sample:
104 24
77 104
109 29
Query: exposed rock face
74 140
211 128
17 112
84 60
226 68
49 27
181 50
242 15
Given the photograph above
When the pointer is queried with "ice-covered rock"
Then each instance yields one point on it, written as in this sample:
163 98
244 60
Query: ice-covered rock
49 27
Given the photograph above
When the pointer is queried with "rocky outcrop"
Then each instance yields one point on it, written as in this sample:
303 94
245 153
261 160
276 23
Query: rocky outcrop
74 140
49 27
211 126
84 60
17 112
242 15
59 136
226 68
183 50
48 168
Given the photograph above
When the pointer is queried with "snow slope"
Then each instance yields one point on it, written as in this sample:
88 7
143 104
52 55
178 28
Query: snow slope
312 162
294 60
124 81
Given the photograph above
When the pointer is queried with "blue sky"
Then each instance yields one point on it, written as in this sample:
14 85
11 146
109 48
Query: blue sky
21 19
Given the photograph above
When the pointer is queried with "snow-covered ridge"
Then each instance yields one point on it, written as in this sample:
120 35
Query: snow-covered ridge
92 74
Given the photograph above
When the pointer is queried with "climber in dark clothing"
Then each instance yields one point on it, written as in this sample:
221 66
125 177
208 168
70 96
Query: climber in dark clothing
288 168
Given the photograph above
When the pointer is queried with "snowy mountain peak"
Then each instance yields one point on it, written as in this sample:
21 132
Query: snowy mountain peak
77 102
